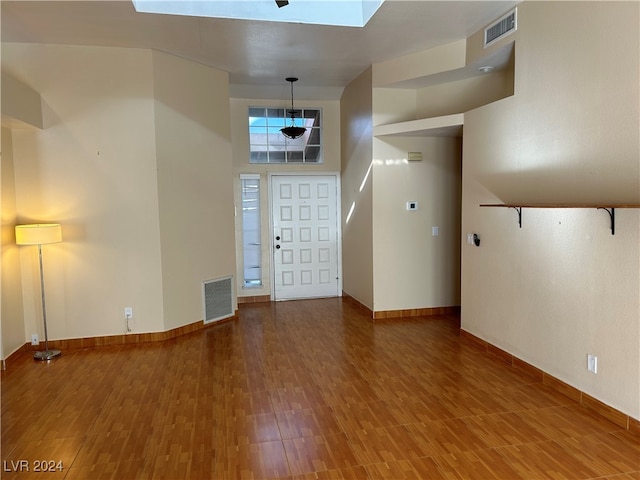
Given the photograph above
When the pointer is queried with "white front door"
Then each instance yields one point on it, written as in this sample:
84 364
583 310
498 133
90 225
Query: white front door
305 236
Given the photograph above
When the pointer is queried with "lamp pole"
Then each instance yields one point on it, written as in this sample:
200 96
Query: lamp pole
39 235
47 354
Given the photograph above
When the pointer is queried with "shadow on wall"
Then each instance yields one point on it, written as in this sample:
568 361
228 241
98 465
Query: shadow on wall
563 186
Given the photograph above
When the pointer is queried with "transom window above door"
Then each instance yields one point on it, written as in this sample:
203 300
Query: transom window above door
269 145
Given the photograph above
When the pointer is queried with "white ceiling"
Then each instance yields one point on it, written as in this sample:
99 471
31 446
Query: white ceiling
257 55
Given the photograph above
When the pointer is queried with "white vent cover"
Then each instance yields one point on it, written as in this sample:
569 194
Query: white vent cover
502 27
218 299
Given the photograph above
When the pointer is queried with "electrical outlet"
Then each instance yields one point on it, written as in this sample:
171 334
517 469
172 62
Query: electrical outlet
592 363
128 312
34 339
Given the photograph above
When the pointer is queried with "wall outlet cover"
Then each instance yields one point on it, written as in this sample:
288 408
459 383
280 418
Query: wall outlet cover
592 363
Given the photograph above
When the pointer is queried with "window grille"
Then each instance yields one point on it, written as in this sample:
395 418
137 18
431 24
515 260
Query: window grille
269 145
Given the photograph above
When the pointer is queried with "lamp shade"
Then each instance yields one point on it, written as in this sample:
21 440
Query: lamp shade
38 234
293 132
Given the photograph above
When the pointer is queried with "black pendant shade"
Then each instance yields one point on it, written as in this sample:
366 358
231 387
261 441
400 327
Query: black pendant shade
292 131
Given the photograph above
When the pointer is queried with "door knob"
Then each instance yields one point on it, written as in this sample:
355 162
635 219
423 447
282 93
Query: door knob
278 247
278 237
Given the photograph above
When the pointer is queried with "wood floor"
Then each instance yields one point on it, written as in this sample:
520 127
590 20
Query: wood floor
302 390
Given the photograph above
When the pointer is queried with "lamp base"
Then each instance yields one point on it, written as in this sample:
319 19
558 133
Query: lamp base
47 354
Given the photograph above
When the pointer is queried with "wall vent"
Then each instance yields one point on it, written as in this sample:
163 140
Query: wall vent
502 27
218 299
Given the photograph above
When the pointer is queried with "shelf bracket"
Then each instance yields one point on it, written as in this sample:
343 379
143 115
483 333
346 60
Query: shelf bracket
519 210
612 215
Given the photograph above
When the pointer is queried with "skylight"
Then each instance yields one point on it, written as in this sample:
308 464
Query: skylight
344 13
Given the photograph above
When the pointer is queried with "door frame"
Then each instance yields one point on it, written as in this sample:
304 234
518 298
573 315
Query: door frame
272 269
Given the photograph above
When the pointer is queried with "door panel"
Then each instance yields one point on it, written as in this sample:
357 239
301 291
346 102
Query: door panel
305 236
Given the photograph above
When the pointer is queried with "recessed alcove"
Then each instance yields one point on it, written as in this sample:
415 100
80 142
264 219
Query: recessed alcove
434 104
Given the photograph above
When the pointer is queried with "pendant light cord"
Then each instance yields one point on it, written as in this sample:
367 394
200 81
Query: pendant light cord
292 132
292 97
291 112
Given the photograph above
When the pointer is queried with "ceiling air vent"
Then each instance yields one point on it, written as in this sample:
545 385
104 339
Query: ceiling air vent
501 28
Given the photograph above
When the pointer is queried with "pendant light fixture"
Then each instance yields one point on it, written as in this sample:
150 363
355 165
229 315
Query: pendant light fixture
292 131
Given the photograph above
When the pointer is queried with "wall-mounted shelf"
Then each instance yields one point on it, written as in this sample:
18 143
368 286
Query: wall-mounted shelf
608 207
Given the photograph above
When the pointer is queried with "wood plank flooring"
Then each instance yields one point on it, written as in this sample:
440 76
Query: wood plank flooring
301 390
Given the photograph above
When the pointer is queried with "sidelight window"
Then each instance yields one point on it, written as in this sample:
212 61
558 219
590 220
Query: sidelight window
251 245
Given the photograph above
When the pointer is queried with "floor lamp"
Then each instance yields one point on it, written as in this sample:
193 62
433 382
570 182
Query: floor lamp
41 234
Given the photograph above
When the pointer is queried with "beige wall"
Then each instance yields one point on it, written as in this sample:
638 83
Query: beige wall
92 169
394 105
12 324
409 267
240 148
195 195
464 95
21 105
579 124
420 64
562 286
137 169
357 189
413 268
